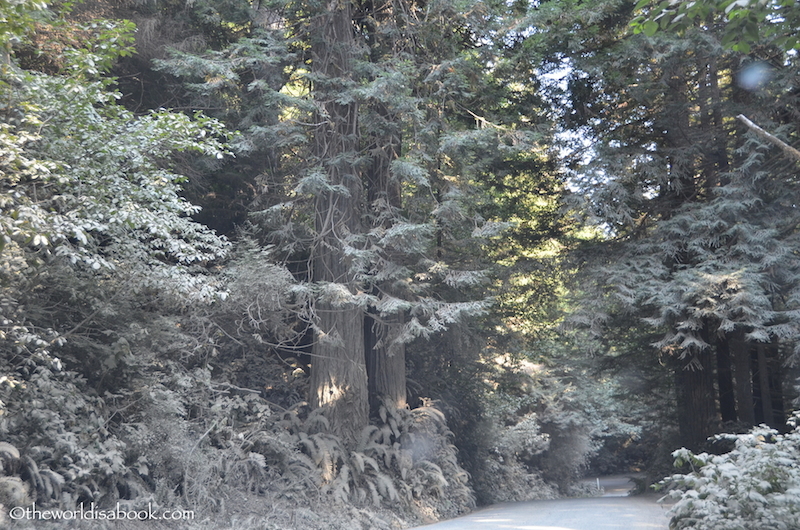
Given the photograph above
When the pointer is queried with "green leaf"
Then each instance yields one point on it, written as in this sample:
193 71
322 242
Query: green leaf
741 47
650 28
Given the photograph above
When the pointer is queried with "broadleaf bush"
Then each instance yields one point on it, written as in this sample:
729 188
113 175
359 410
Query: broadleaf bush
755 485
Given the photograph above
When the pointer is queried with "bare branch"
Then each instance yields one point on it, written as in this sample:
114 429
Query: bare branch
761 133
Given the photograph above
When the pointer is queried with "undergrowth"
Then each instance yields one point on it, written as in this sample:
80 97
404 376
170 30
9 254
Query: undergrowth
178 438
755 485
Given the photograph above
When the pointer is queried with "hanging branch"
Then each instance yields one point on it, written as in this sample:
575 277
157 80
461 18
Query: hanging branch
761 133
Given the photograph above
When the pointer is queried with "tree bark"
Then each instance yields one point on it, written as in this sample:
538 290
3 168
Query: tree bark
744 383
776 388
386 364
338 372
727 397
697 411
386 358
764 386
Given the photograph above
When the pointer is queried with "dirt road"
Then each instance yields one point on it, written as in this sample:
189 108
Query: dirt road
611 512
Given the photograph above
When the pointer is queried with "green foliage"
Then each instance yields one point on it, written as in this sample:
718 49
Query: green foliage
547 422
106 41
69 452
406 458
94 229
747 22
688 203
85 181
755 485
734 257
420 246
17 18
141 367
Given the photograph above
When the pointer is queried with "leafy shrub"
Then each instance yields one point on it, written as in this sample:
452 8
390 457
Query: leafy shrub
69 453
544 429
516 440
756 485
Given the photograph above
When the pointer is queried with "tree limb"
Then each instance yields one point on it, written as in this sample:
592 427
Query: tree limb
761 133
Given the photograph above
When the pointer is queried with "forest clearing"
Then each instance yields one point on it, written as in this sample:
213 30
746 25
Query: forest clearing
295 264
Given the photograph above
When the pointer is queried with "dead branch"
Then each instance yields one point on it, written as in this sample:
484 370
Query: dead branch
761 133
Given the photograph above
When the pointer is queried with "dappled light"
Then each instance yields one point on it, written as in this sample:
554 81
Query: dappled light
303 265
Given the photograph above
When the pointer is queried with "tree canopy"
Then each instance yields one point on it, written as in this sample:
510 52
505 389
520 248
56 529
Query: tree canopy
328 259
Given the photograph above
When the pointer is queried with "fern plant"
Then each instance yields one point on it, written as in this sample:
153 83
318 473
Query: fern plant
407 457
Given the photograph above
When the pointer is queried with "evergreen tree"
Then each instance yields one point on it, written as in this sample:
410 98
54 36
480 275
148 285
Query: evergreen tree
682 191
375 159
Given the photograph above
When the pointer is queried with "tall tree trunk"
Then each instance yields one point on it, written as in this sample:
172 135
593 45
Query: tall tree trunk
758 409
386 363
386 358
744 382
713 135
338 373
776 387
764 386
675 123
697 411
727 397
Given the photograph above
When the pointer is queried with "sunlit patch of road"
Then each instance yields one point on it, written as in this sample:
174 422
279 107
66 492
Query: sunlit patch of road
612 512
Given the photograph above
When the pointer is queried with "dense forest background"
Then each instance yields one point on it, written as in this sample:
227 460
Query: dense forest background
302 264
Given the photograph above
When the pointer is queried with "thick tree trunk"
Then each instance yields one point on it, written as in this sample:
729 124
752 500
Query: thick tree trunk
697 411
776 386
386 364
758 409
386 358
338 372
744 383
727 396
764 386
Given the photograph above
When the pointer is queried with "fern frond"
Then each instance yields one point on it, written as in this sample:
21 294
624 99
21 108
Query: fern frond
405 461
394 426
311 449
338 490
373 490
386 488
317 422
378 450
432 413
327 461
360 495
344 477
358 460
368 460
386 434
369 434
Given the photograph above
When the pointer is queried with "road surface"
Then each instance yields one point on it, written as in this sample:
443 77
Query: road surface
613 511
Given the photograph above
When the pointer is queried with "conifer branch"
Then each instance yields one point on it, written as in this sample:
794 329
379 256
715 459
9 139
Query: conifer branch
761 133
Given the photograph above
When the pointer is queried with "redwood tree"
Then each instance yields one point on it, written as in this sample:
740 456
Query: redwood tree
338 376
695 207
